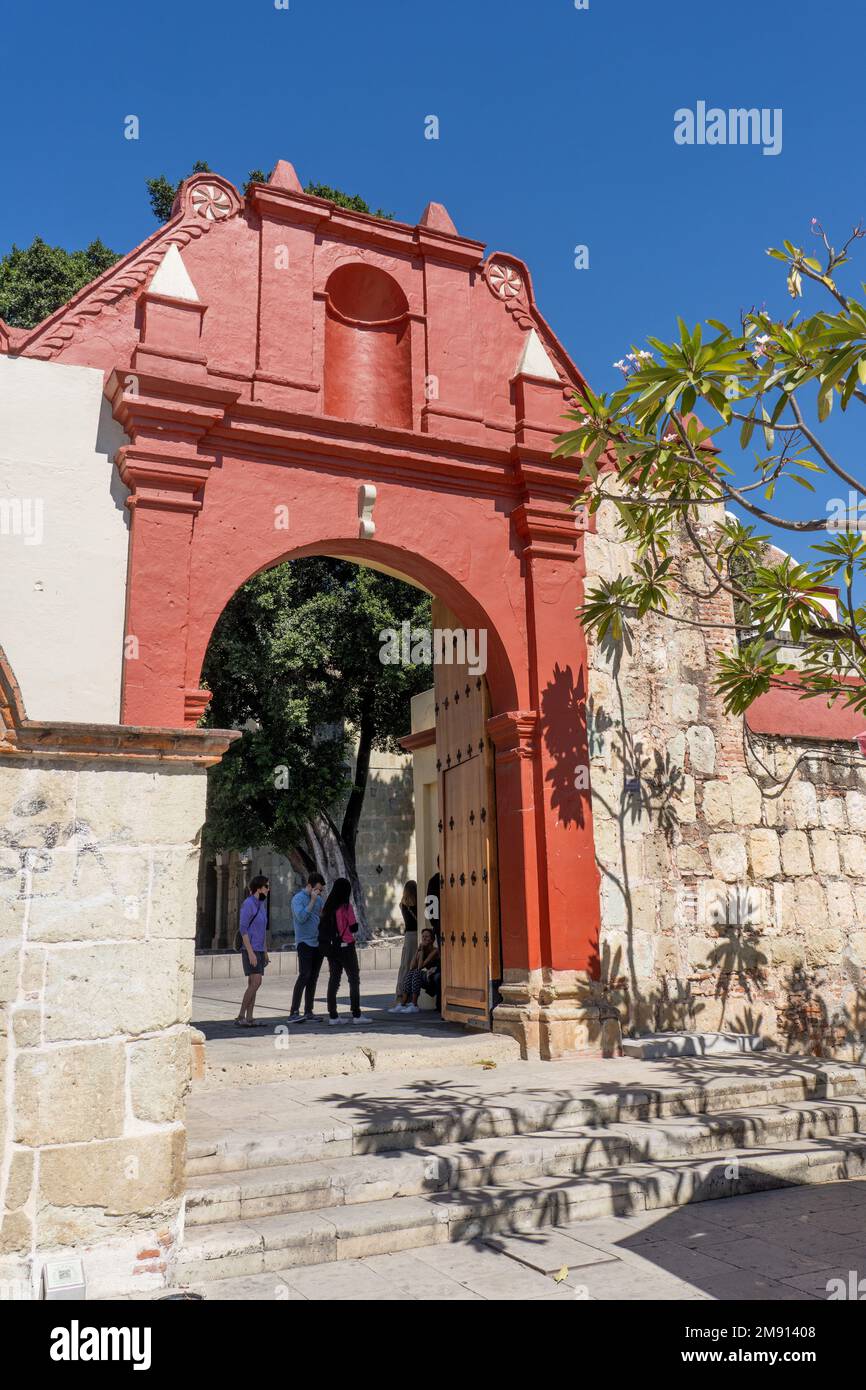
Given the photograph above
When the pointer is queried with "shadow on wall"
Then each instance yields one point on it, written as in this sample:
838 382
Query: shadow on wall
807 1013
563 726
808 1026
648 788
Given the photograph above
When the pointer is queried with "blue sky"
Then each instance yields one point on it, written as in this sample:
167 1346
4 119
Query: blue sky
556 129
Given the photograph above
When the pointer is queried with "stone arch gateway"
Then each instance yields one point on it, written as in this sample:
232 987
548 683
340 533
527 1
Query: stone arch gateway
293 378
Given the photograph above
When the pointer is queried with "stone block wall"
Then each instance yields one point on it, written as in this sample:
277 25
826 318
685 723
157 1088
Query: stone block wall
733 868
385 848
98 865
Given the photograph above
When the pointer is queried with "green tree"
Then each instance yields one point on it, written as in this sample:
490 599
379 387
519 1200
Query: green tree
294 662
768 384
36 280
345 200
162 193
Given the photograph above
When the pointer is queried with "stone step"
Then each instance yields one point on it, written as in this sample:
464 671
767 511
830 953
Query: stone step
412 1120
316 1051
280 1189
258 1245
680 1044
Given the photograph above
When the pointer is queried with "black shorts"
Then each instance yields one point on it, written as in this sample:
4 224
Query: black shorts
259 967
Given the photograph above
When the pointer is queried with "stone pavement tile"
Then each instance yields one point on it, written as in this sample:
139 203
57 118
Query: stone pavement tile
845 1220
524 1286
746 1286
810 1236
692 1264
418 1280
460 1259
488 1273
352 1281
788 1201
817 1281
632 1238
686 1225
630 1282
509 1284
261 1288
609 1230
741 1215
547 1251
764 1257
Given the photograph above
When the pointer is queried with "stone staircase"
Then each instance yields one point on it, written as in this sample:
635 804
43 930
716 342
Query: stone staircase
434 1171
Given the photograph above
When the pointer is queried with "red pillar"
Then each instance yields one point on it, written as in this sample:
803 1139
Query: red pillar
166 404
163 503
568 875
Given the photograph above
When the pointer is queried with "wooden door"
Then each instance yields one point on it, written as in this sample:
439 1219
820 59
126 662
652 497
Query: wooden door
469 899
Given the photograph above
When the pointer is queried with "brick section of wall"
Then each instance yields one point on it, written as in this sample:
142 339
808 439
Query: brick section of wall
728 900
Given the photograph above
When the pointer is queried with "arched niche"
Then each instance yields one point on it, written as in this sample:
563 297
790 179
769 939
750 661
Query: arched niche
368 366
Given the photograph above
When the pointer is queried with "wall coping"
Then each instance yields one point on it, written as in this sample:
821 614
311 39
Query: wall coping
37 738
784 713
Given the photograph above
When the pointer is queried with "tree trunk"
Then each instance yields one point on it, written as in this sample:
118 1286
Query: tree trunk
333 859
355 804
331 849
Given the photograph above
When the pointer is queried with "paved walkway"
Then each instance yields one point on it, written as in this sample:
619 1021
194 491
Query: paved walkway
215 1002
390 1042
785 1246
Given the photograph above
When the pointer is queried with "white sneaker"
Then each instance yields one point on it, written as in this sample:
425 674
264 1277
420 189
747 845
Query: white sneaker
398 1009
411 1009
334 1022
362 1019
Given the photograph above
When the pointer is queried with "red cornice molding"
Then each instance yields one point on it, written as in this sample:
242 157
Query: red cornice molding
402 237
422 738
514 734
548 532
252 429
166 481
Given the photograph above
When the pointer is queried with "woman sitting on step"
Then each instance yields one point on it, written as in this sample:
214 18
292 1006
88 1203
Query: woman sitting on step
422 974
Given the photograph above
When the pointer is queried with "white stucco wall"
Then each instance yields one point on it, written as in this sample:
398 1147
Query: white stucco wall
63 540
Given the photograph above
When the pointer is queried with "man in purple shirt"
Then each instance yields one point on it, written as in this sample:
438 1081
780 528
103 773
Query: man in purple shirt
253 929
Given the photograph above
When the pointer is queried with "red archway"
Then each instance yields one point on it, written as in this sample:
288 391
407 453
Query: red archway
308 380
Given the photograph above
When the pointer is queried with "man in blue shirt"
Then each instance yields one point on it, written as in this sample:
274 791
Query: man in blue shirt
306 911
253 931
